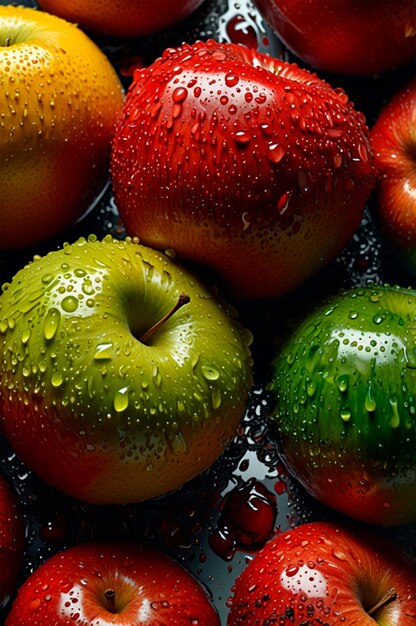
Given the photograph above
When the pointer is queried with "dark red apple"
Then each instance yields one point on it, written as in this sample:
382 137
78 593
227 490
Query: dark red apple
345 36
241 162
118 583
321 574
11 539
393 137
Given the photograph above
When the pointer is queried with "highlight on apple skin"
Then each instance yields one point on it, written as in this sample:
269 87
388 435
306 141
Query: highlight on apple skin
62 98
96 397
243 163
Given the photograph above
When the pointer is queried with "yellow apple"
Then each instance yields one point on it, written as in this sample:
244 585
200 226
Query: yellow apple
60 97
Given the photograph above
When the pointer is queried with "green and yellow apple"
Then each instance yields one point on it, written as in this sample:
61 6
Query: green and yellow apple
345 403
60 99
107 391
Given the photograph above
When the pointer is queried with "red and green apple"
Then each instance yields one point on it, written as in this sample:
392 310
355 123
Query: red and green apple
116 583
344 403
242 163
323 573
358 37
393 138
107 391
61 98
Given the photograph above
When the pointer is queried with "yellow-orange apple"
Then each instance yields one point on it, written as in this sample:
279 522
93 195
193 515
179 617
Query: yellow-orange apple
60 98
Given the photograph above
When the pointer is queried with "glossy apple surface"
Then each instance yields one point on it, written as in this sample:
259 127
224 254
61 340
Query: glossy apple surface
11 539
242 163
360 37
61 99
321 573
345 406
111 583
394 142
90 404
118 18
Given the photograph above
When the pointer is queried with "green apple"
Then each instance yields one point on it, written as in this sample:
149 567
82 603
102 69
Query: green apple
107 391
344 386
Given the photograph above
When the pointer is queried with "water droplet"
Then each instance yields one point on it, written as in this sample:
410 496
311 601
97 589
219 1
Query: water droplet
275 152
210 373
395 417
231 79
216 398
121 399
103 351
69 304
370 402
57 379
345 415
242 137
51 323
180 94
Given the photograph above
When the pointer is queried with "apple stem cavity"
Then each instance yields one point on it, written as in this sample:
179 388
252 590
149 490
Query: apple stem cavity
183 299
110 596
388 597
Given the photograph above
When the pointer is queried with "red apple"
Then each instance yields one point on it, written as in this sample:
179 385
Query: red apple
324 574
111 583
345 36
60 99
241 162
11 539
393 138
119 18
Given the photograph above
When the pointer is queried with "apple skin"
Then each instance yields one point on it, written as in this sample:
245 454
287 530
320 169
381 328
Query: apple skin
344 403
150 589
357 37
325 574
394 143
12 539
242 163
115 419
62 98
117 18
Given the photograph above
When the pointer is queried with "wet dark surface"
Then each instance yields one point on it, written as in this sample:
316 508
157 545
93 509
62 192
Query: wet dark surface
216 522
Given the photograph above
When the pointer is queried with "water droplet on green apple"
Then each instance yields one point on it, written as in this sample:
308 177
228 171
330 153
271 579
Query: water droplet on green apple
51 323
103 351
209 372
121 399
216 398
69 304
395 417
57 379
345 415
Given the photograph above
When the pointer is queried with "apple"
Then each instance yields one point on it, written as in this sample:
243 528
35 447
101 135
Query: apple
323 573
358 37
242 163
121 583
344 403
394 143
61 99
118 18
102 394
12 539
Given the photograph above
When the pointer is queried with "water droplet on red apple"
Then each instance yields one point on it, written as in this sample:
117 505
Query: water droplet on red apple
275 152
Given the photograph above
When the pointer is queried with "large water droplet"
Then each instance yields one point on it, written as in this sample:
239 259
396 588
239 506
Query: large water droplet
51 323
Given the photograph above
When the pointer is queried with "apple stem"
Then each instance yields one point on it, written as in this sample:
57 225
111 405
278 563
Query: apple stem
110 596
388 597
8 41
183 299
